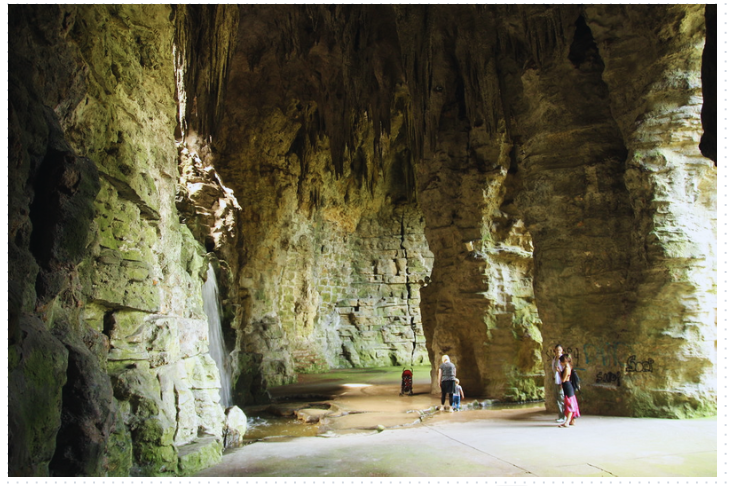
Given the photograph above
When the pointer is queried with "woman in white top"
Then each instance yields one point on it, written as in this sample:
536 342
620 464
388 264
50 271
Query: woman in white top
558 369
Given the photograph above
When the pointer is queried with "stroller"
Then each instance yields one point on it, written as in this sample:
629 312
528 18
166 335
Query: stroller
406 382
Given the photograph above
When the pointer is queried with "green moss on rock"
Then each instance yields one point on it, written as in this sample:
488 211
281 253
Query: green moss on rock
119 449
155 460
200 454
34 399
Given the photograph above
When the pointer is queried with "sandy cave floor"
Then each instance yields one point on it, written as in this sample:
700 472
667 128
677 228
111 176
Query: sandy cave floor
364 428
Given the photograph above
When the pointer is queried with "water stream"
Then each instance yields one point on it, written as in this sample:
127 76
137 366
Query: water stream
216 345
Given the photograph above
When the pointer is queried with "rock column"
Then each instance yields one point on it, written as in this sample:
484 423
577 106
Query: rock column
667 362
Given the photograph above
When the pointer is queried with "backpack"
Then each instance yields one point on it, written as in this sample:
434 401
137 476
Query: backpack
575 380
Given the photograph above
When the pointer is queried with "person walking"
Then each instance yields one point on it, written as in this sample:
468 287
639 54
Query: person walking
457 395
571 408
446 376
557 368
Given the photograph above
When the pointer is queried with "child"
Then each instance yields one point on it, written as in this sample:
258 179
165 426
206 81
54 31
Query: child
457 394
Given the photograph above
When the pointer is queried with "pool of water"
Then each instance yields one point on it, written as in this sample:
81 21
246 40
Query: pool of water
491 405
265 426
350 390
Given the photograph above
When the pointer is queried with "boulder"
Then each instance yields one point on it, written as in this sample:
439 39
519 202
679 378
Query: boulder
235 427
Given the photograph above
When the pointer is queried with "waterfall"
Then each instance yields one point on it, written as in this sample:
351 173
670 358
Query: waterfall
216 346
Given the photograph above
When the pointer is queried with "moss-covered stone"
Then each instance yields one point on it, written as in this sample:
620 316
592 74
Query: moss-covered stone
34 399
198 455
155 460
119 457
89 411
124 285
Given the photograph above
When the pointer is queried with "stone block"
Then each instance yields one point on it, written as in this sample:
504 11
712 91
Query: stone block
210 413
368 335
127 353
93 315
164 345
400 321
186 406
200 454
389 254
364 311
350 354
389 243
192 336
133 254
202 372
416 281
127 327
138 274
361 322
347 332
392 311
116 286
386 267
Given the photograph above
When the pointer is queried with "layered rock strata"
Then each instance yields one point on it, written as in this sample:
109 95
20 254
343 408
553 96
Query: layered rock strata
117 284
373 185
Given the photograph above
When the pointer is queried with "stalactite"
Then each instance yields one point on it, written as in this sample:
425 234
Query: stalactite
204 41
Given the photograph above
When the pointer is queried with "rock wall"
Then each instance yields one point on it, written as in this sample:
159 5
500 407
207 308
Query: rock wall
329 266
479 307
374 185
602 171
330 271
672 318
378 319
112 290
306 182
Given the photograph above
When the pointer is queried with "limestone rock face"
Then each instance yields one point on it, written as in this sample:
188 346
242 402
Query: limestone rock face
519 140
115 274
373 185
36 375
671 316
329 264
89 412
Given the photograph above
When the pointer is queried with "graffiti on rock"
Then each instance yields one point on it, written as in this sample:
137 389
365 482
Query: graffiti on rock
608 377
633 366
599 355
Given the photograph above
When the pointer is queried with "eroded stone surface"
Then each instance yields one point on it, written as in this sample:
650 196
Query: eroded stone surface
374 185
235 428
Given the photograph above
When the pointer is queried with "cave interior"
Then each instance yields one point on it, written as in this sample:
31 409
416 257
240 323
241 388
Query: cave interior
366 186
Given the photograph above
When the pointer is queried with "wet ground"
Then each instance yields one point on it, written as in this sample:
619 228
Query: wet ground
355 423
352 401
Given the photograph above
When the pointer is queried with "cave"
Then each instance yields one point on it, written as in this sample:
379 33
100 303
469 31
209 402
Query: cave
368 185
